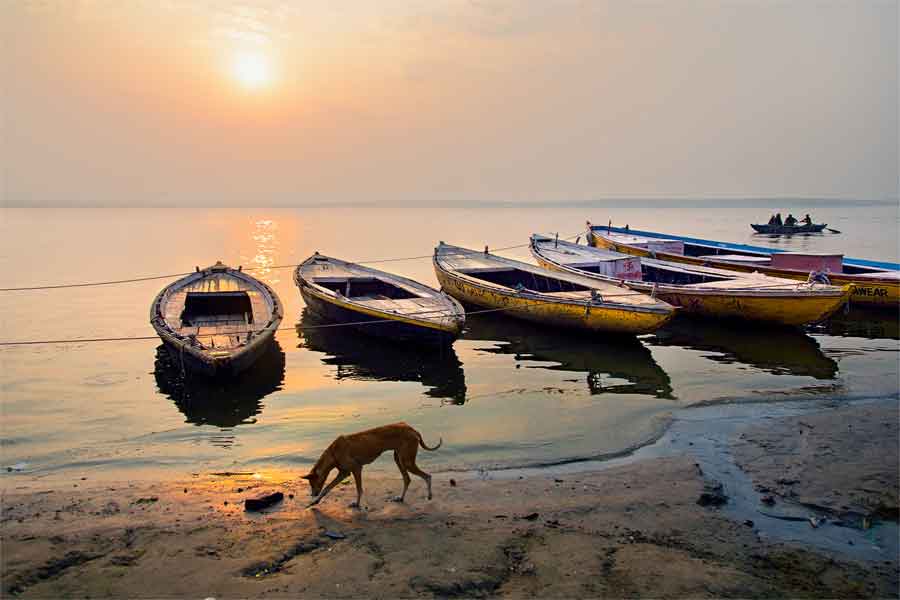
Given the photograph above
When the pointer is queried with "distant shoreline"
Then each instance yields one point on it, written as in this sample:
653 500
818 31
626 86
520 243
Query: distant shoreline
774 202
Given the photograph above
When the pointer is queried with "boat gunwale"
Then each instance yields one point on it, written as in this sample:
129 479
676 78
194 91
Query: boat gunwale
660 307
823 292
456 316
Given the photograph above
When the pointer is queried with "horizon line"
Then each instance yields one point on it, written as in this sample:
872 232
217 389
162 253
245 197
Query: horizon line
599 202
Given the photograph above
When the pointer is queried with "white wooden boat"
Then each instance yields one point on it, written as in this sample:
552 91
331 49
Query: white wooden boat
378 303
216 321
707 291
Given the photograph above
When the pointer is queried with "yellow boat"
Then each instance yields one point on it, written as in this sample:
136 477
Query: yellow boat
876 283
706 291
529 292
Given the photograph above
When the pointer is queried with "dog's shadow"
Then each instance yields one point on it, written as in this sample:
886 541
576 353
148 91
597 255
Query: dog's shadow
329 516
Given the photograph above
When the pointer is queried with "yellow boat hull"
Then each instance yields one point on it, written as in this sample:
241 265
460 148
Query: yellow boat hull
785 310
865 291
793 311
563 314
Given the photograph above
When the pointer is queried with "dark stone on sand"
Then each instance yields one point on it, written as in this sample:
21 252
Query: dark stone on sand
477 585
263 501
713 495
452 483
749 523
334 535
531 517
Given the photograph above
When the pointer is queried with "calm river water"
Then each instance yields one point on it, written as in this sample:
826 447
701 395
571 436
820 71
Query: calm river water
507 394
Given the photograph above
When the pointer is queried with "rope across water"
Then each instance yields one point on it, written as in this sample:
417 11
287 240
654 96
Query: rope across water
174 275
296 328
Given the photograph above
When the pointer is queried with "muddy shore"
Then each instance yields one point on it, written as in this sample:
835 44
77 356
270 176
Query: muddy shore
633 530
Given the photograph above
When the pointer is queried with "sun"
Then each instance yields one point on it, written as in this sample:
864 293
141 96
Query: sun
252 70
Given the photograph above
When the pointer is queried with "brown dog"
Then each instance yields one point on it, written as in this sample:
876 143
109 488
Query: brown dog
349 453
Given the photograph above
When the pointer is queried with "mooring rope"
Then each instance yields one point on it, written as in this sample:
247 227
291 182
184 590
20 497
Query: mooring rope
295 328
173 275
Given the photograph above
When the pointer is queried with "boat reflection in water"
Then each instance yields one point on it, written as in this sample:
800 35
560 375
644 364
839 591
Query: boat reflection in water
775 350
862 322
222 403
367 358
617 359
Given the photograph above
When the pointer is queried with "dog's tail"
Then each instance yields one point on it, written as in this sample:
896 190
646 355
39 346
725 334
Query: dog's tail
422 442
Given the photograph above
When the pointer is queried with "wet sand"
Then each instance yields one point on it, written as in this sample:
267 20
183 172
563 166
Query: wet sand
634 530
843 462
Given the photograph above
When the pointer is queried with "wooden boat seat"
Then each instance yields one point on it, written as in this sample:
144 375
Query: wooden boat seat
570 295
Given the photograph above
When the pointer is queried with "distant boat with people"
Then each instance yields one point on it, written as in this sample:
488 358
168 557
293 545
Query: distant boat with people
789 226
788 229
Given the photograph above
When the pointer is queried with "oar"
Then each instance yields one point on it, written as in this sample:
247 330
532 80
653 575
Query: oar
832 230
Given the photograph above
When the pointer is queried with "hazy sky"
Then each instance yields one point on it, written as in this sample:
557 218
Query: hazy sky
267 103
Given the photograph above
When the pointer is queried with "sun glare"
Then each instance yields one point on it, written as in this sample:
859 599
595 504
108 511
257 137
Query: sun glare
252 70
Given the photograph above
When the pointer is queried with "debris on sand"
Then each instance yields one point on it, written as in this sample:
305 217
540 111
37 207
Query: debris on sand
713 495
253 504
334 535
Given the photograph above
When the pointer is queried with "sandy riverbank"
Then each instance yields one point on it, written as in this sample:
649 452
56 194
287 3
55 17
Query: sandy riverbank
634 530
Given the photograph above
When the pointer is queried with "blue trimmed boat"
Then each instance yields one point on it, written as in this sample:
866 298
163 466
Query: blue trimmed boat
877 283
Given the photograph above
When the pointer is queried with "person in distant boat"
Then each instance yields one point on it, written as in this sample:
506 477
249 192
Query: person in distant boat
790 221
807 220
772 220
778 219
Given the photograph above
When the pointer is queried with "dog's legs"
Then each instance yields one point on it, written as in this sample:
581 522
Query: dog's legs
357 478
342 475
415 470
405 477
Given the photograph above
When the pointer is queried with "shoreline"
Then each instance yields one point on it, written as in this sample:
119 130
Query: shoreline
804 400
564 531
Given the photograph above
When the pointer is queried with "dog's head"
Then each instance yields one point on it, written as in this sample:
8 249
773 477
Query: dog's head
316 481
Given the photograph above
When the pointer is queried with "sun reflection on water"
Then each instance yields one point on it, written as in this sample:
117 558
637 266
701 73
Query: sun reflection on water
265 248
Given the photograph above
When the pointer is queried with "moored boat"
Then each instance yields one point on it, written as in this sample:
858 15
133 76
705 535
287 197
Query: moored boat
876 283
774 229
216 321
378 303
559 299
707 291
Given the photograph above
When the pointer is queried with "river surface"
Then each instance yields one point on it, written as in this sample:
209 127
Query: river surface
508 394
